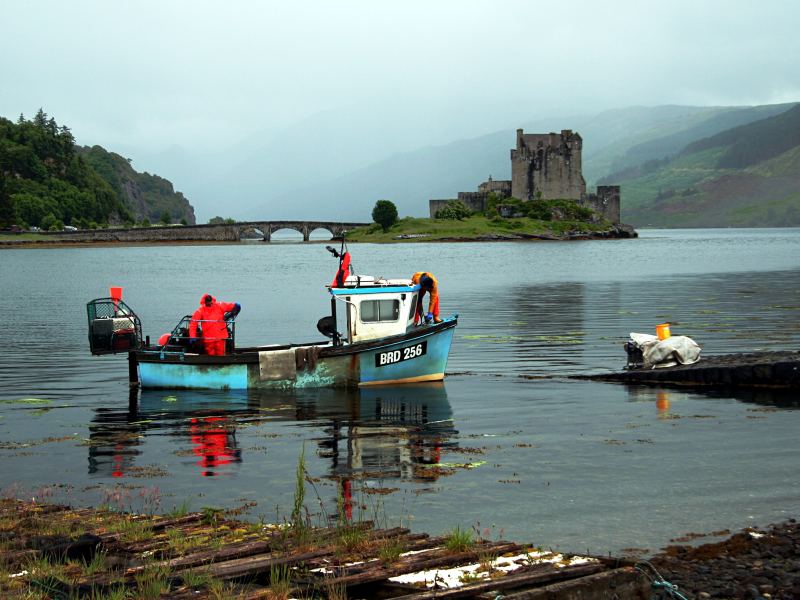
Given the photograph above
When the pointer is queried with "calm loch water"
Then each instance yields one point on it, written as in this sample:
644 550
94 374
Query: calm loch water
508 443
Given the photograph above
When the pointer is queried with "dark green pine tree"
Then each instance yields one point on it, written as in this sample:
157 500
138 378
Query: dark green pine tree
6 206
40 120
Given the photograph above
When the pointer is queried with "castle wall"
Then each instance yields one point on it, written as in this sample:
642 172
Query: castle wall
605 202
475 201
501 186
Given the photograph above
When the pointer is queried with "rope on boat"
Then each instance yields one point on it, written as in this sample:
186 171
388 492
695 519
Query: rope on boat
661 587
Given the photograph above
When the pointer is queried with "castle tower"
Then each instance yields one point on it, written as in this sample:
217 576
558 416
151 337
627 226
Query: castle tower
547 166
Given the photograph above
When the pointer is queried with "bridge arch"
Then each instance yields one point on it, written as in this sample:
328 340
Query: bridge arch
318 228
285 230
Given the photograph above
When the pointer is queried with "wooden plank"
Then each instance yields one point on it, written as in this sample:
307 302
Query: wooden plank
230 552
165 523
514 580
245 567
433 560
616 584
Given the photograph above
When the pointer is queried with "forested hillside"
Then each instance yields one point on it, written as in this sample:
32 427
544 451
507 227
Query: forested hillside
746 176
47 181
148 196
662 147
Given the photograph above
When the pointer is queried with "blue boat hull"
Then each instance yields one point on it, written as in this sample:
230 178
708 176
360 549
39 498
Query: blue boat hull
418 356
404 362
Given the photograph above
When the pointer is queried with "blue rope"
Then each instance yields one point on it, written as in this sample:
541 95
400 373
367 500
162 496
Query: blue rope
658 583
669 588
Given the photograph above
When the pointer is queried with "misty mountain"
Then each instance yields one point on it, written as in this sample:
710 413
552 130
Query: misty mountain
411 178
336 164
745 176
323 147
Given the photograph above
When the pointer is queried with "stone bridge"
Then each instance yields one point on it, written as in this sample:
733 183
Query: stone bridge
232 232
267 228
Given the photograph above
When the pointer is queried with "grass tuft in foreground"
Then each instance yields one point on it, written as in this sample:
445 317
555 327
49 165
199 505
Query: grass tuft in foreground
459 540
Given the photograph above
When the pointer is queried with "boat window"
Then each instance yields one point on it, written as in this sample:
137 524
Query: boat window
373 311
413 311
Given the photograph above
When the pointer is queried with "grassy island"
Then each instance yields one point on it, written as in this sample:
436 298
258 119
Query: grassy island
503 219
480 228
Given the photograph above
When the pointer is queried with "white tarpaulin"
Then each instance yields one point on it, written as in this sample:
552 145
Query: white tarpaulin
676 349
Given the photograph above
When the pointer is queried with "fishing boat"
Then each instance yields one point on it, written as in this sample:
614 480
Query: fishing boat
383 343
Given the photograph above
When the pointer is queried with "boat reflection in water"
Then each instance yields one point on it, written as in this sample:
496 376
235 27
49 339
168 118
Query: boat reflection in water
394 432
373 433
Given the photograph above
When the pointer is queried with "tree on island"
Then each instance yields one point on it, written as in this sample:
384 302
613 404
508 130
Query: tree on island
220 221
384 214
454 210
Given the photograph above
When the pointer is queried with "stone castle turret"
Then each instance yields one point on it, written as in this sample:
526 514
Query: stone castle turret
547 166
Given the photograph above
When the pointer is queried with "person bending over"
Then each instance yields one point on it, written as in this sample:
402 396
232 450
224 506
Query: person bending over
427 284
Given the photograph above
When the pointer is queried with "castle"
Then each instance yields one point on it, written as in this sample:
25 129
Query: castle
544 166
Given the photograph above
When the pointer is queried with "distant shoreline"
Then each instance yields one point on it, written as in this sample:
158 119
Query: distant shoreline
61 243
105 243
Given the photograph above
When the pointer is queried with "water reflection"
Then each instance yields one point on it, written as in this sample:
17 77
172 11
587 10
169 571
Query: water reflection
530 329
378 433
662 404
663 397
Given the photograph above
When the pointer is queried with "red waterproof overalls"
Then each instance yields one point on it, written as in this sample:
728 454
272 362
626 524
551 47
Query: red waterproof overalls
211 318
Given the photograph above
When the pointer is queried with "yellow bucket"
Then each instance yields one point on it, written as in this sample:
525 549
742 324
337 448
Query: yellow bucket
662 331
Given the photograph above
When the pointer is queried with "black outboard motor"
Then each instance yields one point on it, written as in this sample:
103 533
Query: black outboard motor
327 327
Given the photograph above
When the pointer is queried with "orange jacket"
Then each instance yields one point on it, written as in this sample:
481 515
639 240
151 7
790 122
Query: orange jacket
433 302
213 319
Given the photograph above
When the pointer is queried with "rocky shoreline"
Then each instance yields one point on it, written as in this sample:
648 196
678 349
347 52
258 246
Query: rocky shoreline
753 564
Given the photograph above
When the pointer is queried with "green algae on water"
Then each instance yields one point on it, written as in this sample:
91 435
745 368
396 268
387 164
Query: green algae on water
28 401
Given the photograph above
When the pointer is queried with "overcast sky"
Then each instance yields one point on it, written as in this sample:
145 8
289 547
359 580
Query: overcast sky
150 74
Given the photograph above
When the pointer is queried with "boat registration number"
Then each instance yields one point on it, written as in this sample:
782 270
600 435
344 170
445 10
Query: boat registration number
391 357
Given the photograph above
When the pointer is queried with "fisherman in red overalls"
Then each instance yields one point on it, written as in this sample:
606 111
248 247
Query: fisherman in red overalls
211 316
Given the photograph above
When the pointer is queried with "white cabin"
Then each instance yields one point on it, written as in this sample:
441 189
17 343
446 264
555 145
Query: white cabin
376 307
